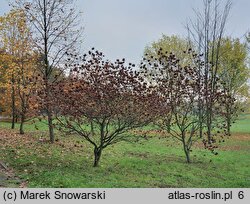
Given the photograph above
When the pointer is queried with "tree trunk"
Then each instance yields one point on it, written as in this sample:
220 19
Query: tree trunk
13 105
200 119
185 147
21 124
49 113
169 124
13 121
97 154
187 153
209 124
228 128
228 125
51 129
201 130
50 117
47 73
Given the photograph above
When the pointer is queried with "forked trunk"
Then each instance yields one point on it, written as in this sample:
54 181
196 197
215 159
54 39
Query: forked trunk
97 154
187 153
186 150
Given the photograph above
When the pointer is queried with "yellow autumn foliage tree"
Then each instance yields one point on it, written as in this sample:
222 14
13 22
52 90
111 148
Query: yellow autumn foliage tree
18 65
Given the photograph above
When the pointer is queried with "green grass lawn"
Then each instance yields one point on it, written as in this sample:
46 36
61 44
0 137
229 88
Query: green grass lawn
157 162
242 125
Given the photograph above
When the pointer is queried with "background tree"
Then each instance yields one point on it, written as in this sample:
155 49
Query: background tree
248 48
206 32
233 73
248 37
5 83
9 25
179 86
17 41
55 29
170 44
103 101
26 85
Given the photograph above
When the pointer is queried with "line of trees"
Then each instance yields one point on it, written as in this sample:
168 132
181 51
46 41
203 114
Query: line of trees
193 88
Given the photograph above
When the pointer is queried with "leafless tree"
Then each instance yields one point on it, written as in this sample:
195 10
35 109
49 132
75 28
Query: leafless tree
55 28
206 32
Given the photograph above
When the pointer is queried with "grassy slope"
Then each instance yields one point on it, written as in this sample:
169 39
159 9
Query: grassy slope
153 163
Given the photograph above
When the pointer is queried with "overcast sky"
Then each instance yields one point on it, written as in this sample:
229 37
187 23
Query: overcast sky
122 28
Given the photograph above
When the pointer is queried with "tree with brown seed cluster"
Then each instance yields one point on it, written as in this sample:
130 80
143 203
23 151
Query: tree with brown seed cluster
181 87
102 101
